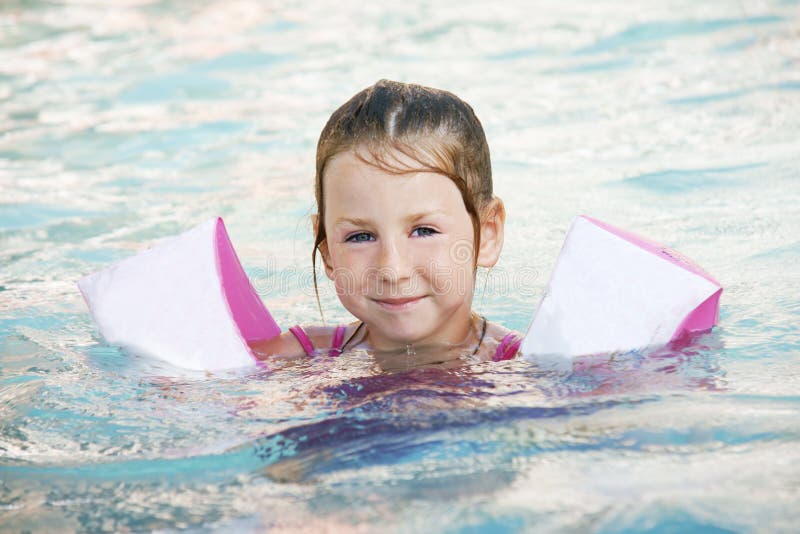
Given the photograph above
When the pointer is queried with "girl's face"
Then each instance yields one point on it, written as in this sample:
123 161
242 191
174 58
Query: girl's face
399 249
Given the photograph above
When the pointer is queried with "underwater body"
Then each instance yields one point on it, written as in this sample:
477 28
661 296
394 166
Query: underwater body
124 124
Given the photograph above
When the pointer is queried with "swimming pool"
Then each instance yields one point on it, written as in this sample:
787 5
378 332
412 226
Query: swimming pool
121 125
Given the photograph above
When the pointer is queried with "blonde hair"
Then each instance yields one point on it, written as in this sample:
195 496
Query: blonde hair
434 129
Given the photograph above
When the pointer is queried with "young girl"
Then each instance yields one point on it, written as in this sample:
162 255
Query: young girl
405 215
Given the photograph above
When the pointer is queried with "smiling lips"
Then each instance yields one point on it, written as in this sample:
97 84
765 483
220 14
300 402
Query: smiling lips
398 304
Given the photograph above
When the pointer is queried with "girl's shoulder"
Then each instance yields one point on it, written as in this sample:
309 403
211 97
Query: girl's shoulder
298 341
501 343
495 331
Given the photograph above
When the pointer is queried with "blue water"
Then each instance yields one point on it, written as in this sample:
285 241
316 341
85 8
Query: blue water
122 123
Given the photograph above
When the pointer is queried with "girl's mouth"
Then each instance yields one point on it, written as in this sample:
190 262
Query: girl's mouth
398 304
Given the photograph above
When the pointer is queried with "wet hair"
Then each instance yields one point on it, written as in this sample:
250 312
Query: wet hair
435 130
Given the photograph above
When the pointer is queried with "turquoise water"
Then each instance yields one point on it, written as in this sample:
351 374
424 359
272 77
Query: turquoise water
125 123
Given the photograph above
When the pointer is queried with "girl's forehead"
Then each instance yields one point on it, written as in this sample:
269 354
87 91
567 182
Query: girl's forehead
352 184
350 175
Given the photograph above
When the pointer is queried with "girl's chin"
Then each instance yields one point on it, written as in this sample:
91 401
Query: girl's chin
389 330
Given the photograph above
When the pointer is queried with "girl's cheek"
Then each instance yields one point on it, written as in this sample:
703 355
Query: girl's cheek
453 269
344 281
461 252
449 279
350 275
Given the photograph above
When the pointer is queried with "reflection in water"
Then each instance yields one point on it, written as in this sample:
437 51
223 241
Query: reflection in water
431 411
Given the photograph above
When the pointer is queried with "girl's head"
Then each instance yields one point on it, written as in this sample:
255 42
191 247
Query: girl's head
411 142
434 130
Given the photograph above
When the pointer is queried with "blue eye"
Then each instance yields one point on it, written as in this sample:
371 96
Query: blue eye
424 231
360 237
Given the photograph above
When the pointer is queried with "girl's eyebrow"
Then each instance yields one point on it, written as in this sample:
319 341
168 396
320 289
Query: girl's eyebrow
357 221
353 221
422 214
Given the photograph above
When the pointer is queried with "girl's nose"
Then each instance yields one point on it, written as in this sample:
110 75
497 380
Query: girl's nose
394 262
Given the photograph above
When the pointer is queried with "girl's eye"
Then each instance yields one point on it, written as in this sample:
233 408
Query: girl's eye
424 231
359 237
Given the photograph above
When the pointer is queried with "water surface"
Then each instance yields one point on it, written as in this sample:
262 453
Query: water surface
123 124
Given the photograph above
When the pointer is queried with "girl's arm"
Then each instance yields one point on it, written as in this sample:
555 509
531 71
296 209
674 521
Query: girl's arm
286 344
283 345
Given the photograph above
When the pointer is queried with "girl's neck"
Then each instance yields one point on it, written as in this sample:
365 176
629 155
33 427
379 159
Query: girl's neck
418 356
468 333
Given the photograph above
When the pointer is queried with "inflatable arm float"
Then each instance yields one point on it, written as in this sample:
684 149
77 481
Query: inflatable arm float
613 291
187 301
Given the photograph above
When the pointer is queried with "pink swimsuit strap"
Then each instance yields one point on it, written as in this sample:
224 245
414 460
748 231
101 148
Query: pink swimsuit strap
507 348
303 338
337 343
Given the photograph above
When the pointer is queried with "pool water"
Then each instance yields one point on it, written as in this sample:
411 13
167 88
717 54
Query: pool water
122 123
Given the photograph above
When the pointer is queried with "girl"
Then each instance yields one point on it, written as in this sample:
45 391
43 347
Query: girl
405 215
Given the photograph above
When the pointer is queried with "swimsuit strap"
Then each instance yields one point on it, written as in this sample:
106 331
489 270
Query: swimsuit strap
336 345
483 334
508 347
338 341
353 335
303 338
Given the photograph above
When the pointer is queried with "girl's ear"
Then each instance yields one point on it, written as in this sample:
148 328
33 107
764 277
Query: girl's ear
323 248
493 221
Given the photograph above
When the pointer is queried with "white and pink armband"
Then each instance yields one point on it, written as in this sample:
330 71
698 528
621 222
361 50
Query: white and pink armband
187 301
614 291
